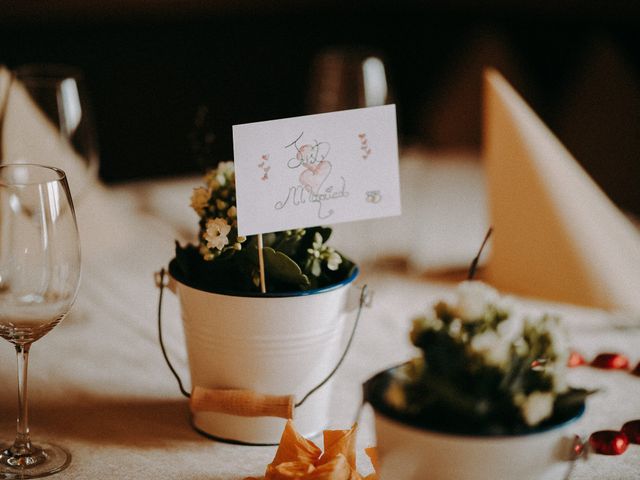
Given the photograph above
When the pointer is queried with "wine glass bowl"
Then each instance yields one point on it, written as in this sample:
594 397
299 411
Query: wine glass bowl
39 279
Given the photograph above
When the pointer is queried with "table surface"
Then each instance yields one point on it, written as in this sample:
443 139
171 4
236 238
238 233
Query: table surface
99 386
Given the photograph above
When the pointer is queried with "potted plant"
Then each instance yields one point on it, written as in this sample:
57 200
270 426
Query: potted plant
253 355
486 398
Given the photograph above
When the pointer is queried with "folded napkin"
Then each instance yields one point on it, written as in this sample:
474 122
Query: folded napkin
299 458
556 234
5 83
28 136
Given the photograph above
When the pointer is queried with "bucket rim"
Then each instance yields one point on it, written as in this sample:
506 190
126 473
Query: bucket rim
375 386
301 293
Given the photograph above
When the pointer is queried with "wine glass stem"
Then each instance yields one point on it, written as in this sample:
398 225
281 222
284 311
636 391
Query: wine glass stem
22 444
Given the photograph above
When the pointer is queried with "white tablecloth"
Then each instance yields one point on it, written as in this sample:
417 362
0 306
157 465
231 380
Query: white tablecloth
98 383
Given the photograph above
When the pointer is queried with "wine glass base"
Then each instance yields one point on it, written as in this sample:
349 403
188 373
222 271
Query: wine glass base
46 459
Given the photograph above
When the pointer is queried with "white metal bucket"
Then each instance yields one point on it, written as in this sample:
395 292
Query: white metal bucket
407 451
270 344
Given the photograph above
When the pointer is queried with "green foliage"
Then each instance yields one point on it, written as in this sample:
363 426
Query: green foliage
223 261
485 368
287 266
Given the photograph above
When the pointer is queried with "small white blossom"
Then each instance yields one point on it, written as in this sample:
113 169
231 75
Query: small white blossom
226 168
211 182
216 233
232 212
317 241
473 299
495 350
334 261
224 173
455 328
429 321
536 407
199 199
511 328
484 341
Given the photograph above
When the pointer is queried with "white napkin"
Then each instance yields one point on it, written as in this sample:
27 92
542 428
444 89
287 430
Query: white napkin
29 137
556 234
5 82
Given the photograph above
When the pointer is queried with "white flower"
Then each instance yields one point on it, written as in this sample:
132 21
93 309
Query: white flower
216 233
484 341
455 328
210 180
473 299
494 349
317 241
226 168
199 199
536 407
225 171
429 321
334 261
232 212
511 328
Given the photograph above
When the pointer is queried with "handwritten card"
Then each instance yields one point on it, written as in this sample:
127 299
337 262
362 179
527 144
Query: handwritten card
316 170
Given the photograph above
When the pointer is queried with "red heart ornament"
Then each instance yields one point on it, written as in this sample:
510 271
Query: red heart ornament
609 442
576 360
611 361
632 431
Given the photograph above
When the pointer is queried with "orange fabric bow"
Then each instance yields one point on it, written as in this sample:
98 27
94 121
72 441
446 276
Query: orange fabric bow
299 458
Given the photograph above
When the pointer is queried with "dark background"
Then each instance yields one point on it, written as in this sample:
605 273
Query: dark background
151 65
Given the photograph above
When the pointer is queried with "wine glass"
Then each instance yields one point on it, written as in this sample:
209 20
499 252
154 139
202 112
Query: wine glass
48 113
342 78
39 278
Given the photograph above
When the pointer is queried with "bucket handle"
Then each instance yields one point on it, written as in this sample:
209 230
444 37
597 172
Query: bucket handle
247 403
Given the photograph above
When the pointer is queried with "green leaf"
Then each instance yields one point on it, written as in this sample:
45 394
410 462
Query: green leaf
278 266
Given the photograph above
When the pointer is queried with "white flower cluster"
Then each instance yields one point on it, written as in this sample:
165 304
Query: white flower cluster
495 332
324 252
215 205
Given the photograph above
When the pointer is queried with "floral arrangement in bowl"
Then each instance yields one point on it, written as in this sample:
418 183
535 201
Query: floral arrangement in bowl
223 261
486 367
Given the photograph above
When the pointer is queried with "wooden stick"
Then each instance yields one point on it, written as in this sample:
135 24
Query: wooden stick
263 284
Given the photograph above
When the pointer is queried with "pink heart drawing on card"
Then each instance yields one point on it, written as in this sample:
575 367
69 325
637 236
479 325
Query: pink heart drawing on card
315 175
306 154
